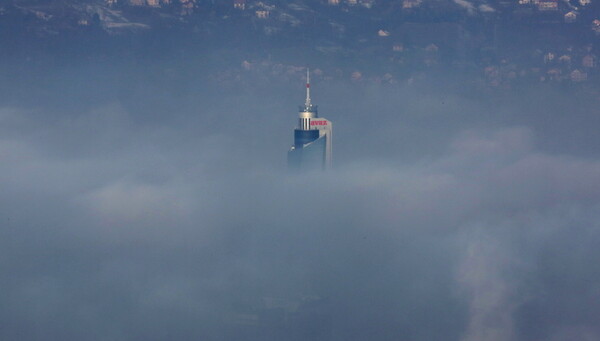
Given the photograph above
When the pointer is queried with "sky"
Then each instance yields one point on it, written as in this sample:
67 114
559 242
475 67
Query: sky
145 205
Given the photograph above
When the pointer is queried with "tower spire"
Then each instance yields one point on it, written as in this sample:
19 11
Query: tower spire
307 103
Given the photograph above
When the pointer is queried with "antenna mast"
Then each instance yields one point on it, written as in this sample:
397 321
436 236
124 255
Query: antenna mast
307 103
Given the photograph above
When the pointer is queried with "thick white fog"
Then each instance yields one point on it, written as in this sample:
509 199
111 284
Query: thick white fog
139 207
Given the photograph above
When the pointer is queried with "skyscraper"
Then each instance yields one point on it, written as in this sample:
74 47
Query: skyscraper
312 139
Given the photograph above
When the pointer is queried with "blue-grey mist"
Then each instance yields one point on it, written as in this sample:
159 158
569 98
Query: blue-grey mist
144 195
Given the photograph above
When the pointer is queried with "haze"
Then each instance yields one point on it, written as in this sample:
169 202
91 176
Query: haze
145 196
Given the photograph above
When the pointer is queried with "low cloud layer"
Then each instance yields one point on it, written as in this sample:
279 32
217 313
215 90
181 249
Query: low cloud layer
124 228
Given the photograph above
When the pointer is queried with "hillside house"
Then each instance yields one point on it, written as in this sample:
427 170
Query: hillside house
432 48
554 74
565 59
588 61
548 57
262 14
187 7
239 4
367 3
411 3
578 76
596 26
571 17
547 5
